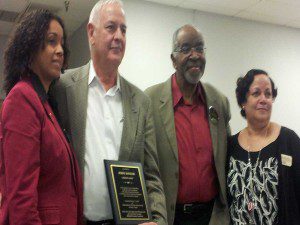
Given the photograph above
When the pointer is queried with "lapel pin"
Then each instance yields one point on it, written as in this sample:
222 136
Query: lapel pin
213 114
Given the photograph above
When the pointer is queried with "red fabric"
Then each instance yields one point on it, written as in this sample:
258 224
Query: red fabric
39 176
197 175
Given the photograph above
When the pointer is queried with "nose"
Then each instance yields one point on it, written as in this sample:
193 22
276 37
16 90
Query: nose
119 34
59 50
194 55
263 98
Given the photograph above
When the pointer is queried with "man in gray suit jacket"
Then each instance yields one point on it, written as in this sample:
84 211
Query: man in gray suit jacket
107 117
191 121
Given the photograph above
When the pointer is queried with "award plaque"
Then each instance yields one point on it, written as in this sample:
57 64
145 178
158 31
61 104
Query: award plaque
127 190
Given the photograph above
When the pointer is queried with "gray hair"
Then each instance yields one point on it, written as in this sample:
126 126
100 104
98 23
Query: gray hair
174 40
175 36
94 15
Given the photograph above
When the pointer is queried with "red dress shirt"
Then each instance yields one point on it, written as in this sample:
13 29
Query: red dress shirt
197 174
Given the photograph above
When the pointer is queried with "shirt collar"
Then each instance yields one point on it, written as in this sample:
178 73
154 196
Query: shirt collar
178 97
92 73
94 78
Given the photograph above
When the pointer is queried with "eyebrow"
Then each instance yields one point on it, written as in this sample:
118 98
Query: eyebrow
197 43
55 35
257 88
111 21
200 43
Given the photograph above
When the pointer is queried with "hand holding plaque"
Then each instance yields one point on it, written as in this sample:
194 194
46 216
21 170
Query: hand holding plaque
128 194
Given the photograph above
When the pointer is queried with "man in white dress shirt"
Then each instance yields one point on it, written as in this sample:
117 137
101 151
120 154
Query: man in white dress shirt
107 117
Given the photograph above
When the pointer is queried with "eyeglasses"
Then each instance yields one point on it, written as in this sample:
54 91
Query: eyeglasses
186 49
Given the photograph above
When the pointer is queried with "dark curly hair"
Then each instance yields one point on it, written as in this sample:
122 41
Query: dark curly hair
243 85
26 40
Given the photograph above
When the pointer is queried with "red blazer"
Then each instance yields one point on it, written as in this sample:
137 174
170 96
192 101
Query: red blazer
40 180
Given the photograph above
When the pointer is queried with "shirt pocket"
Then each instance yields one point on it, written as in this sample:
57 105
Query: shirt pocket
49 215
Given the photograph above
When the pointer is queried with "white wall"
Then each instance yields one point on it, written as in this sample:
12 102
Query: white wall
233 47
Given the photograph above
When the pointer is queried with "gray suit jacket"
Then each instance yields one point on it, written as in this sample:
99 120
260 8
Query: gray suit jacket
162 102
138 137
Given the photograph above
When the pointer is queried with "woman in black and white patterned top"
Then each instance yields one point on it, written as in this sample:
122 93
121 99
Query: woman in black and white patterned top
263 170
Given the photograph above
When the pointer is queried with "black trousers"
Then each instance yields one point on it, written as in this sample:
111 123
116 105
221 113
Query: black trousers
196 214
103 222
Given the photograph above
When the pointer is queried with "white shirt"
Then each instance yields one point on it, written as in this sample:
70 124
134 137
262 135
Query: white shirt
104 125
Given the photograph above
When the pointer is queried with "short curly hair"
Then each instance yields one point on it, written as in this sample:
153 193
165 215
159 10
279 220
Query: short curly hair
26 40
244 83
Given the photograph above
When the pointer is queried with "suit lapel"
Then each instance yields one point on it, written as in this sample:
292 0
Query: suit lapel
213 122
167 115
77 107
130 114
58 129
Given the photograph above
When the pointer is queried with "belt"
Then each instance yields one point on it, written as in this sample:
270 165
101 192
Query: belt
195 207
101 222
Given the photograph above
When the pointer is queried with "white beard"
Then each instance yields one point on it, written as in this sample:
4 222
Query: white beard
193 79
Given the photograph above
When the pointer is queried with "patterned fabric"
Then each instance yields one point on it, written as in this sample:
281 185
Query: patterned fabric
259 186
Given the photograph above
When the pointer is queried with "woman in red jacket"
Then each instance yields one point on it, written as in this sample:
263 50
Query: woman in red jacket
40 181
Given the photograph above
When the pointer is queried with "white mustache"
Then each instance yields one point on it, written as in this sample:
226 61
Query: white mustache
119 46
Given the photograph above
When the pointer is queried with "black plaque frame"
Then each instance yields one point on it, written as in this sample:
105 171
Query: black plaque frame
125 183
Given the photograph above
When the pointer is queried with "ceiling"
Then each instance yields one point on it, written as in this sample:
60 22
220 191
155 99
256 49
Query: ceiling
280 12
77 12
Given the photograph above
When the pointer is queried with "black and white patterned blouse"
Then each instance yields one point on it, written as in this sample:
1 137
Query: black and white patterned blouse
253 188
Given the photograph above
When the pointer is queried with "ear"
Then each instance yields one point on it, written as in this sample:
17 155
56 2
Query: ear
90 32
174 61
